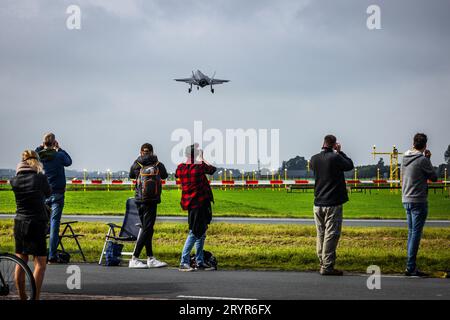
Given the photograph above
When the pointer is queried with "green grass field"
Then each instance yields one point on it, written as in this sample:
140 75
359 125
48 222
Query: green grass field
280 247
248 203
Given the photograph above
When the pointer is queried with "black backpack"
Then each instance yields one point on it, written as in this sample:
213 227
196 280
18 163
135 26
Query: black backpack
62 256
149 183
208 258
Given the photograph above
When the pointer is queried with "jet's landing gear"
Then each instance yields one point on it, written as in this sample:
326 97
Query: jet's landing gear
190 89
198 88
212 90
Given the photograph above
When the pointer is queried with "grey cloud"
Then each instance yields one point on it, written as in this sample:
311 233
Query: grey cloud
293 64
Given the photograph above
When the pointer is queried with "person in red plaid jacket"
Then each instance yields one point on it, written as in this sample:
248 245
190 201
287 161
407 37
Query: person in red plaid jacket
196 198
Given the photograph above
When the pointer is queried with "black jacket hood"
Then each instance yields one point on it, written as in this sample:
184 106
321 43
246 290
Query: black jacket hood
147 160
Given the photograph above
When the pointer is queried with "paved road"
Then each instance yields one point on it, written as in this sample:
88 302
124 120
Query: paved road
347 222
168 283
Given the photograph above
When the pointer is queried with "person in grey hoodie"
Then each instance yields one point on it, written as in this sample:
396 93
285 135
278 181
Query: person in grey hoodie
416 170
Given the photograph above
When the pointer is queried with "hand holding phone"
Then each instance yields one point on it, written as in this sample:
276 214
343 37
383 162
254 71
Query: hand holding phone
337 147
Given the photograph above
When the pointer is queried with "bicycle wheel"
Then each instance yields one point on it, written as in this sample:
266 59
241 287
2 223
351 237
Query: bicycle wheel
8 290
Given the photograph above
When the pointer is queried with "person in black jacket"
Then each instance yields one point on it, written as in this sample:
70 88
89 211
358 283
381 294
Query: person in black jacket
30 188
330 193
146 209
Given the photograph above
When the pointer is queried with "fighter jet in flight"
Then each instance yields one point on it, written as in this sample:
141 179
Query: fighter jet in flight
201 80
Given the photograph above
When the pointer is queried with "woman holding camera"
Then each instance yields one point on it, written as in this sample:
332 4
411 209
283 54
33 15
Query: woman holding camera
30 188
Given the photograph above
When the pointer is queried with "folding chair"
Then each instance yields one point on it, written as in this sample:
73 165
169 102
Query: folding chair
71 235
129 231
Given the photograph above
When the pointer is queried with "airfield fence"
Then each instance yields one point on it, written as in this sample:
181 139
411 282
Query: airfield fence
289 185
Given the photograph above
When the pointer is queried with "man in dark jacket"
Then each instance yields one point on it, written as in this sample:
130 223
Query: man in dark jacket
330 193
196 197
54 159
146 208
416 170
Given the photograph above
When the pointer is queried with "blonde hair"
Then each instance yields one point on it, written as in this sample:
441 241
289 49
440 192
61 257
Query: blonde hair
31 158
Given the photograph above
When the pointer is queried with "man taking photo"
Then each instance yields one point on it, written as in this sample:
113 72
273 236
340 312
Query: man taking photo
54 159
416 170
330 192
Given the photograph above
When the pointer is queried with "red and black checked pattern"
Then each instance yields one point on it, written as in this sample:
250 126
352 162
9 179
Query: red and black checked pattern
195 189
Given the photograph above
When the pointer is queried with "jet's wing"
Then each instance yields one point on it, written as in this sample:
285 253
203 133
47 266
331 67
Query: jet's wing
187 80
218 81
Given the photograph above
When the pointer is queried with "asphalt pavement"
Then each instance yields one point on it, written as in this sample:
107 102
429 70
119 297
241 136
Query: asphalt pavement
100 282
347 222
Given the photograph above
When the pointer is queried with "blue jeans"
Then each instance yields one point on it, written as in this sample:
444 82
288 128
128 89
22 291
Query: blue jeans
190 241
56 203
416 215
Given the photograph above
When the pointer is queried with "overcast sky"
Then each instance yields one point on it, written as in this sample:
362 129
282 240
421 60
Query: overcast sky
307 68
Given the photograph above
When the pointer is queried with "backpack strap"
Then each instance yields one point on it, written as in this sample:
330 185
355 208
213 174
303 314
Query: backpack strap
140 165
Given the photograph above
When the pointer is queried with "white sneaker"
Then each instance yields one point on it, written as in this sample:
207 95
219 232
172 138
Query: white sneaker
137 264
154 263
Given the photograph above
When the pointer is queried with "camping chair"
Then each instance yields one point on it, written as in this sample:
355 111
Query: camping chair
129 231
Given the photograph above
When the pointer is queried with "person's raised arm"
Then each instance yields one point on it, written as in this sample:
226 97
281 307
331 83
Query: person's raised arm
63 155
162 171
132 173
427 167
209 168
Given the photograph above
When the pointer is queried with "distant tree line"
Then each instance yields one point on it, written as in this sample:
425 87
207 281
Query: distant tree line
296 167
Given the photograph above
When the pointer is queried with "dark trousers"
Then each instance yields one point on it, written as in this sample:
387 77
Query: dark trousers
147 214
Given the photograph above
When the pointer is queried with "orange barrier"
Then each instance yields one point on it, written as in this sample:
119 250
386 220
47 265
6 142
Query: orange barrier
301 181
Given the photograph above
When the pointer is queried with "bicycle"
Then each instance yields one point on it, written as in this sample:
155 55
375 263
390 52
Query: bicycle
8 265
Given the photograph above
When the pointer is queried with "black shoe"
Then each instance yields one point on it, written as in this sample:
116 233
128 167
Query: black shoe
416 273
204 267
331 272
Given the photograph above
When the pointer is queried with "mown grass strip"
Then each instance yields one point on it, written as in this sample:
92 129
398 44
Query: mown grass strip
247 203
276 247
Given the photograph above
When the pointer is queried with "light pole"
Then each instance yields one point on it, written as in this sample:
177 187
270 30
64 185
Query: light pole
285 174
307 168
445 179
84 178
378 176
108 178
